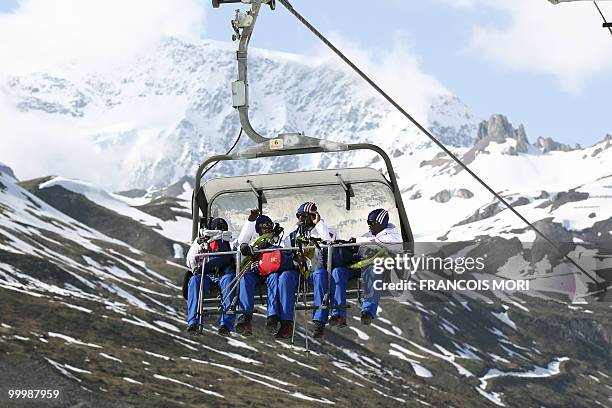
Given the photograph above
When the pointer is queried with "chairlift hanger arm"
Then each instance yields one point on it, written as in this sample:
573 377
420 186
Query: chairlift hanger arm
243 25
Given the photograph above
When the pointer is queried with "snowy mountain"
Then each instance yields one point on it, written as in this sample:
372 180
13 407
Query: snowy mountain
90 279
103 322
568 186
151 121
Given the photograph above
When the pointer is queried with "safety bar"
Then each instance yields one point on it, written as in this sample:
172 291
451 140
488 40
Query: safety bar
326 300
323 244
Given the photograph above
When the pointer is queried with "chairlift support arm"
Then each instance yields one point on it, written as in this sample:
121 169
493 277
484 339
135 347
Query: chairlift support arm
243 25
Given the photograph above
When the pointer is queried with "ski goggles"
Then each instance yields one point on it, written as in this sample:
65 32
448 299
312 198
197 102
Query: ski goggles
266 227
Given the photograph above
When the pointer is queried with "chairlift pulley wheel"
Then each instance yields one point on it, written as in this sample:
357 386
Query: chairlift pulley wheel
217 3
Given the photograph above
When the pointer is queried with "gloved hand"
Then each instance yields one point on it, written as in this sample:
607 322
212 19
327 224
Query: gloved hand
246 250
253 215
278 230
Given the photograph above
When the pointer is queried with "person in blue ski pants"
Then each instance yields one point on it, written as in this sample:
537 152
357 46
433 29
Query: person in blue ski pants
281 285
218 270
226 321
380 231
311 225
281 299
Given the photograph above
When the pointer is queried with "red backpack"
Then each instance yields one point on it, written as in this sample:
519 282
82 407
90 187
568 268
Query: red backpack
269 262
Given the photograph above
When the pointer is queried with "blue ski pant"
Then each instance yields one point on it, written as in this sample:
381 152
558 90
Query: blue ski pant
319 281
371 296
193 294
281 293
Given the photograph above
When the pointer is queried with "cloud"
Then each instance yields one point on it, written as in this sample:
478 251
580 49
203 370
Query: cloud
43 34
565 41
69 38
396 69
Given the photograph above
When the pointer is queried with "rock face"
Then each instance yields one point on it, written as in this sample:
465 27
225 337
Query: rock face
445 196
498 130
464 193
133 193
482 213
548 145
165 208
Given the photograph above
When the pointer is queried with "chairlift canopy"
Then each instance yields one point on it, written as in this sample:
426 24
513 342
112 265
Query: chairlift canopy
344 197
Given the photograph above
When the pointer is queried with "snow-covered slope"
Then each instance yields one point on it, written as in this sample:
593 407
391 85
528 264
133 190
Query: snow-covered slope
177 229
106 320
440 195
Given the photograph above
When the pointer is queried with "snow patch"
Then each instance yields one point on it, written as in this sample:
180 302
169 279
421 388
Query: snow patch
72 340
503 316
107 356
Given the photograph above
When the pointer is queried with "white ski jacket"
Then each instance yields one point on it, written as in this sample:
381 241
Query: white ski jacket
194 250
389 234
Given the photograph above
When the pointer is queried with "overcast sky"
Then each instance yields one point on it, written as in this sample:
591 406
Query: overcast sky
548 67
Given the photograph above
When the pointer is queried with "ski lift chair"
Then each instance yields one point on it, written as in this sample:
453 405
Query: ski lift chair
344 196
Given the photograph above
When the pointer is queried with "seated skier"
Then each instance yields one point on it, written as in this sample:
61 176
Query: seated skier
219 270
380 231
311 225
275 268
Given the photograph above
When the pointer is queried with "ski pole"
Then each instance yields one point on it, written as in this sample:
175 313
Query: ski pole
201 298
236 281
297 298
327 302
305 316
237 290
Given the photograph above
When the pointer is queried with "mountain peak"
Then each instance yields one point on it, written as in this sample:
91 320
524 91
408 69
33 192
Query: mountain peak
548 144
4 169
498 129
154 119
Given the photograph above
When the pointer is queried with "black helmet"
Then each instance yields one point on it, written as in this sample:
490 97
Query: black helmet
218 224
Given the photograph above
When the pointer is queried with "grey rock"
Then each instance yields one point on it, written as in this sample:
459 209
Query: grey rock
568 197
133 193
497 129
520 201
464 193
548 145
481 214
443 196
541 247
416 195
522 145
